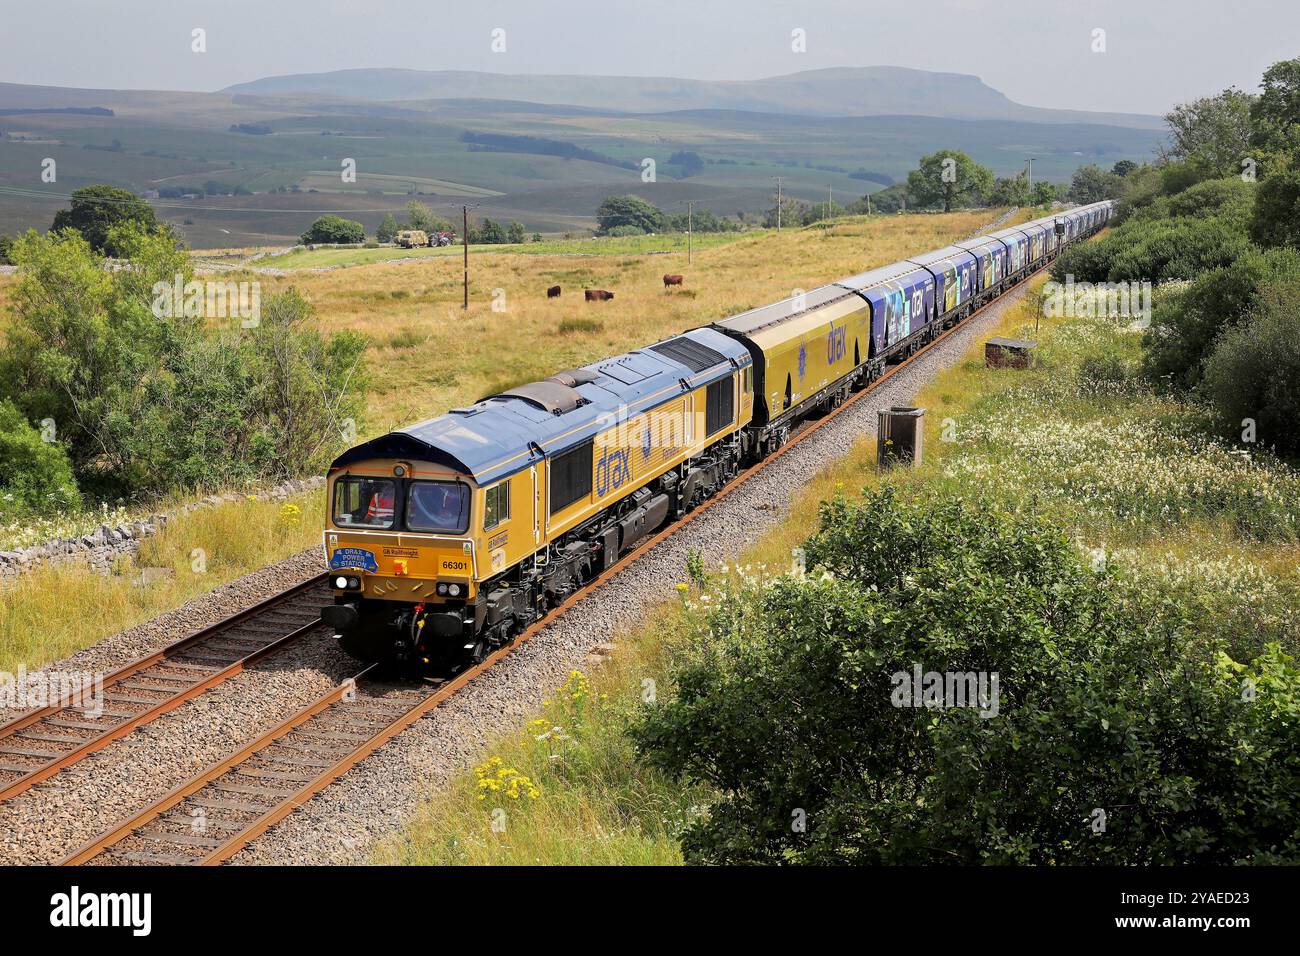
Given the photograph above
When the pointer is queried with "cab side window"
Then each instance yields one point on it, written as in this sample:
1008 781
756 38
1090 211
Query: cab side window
496 505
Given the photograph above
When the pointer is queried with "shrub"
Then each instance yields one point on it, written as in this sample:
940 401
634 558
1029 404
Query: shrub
1184 326
35 475
1254 370
1277 209
626 230
788 707
146 403
334 229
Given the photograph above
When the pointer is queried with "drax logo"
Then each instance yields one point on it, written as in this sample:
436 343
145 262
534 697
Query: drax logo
836 345
613 470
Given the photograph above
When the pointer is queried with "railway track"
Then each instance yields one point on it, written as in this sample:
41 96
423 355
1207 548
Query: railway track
211 817
45 740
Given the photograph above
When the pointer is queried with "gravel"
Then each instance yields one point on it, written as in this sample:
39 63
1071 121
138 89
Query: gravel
342 824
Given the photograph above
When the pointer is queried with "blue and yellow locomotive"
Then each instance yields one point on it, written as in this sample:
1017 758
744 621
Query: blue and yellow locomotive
447 539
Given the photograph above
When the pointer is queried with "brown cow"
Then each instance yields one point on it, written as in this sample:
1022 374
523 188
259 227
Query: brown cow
672 280
597 295
553 292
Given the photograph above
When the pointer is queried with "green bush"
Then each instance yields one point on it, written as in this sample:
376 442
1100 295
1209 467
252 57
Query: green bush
1254 370
615 211
97 211
788 707
1184 326
35 475
1277 209
334 229
149 402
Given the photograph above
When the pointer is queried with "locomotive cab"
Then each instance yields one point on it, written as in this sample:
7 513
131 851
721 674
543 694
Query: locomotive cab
403 557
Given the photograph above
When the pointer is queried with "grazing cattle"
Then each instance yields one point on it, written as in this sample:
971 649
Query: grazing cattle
597 295
672 280
553 292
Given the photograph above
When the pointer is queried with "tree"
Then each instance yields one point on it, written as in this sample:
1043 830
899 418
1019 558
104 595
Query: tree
387 228
1011 191
95 210
1093 184
949 178
1275 114
691 164
537 237
419 216
1044 193
5 243
1124 167
490 232
1276 220
334 229
1212 133
628 210
515 232
792 213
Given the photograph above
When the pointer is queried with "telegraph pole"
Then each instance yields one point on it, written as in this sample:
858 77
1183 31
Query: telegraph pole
830 200
464 242
690 208
778 202
1031 174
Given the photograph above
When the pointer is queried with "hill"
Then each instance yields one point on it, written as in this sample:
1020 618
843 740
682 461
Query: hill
545 165
846 91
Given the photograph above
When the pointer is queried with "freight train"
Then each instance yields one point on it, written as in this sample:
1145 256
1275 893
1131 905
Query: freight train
447 539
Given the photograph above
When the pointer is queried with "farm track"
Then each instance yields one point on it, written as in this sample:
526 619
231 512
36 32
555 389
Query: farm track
38 744
215 814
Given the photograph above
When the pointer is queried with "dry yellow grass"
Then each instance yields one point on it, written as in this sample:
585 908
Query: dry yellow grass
428 355
52 611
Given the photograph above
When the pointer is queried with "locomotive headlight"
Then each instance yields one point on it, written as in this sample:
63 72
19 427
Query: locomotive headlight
399 471
341 583
442 590
354 583
453 590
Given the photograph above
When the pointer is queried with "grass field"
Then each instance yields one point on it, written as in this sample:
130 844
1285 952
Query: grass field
428 355
1061 441
616 245
50 612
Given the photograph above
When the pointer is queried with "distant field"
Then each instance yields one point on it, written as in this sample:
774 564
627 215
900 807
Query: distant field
620 246
161 140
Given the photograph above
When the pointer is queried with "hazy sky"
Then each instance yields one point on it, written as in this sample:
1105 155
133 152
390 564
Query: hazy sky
1158 52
